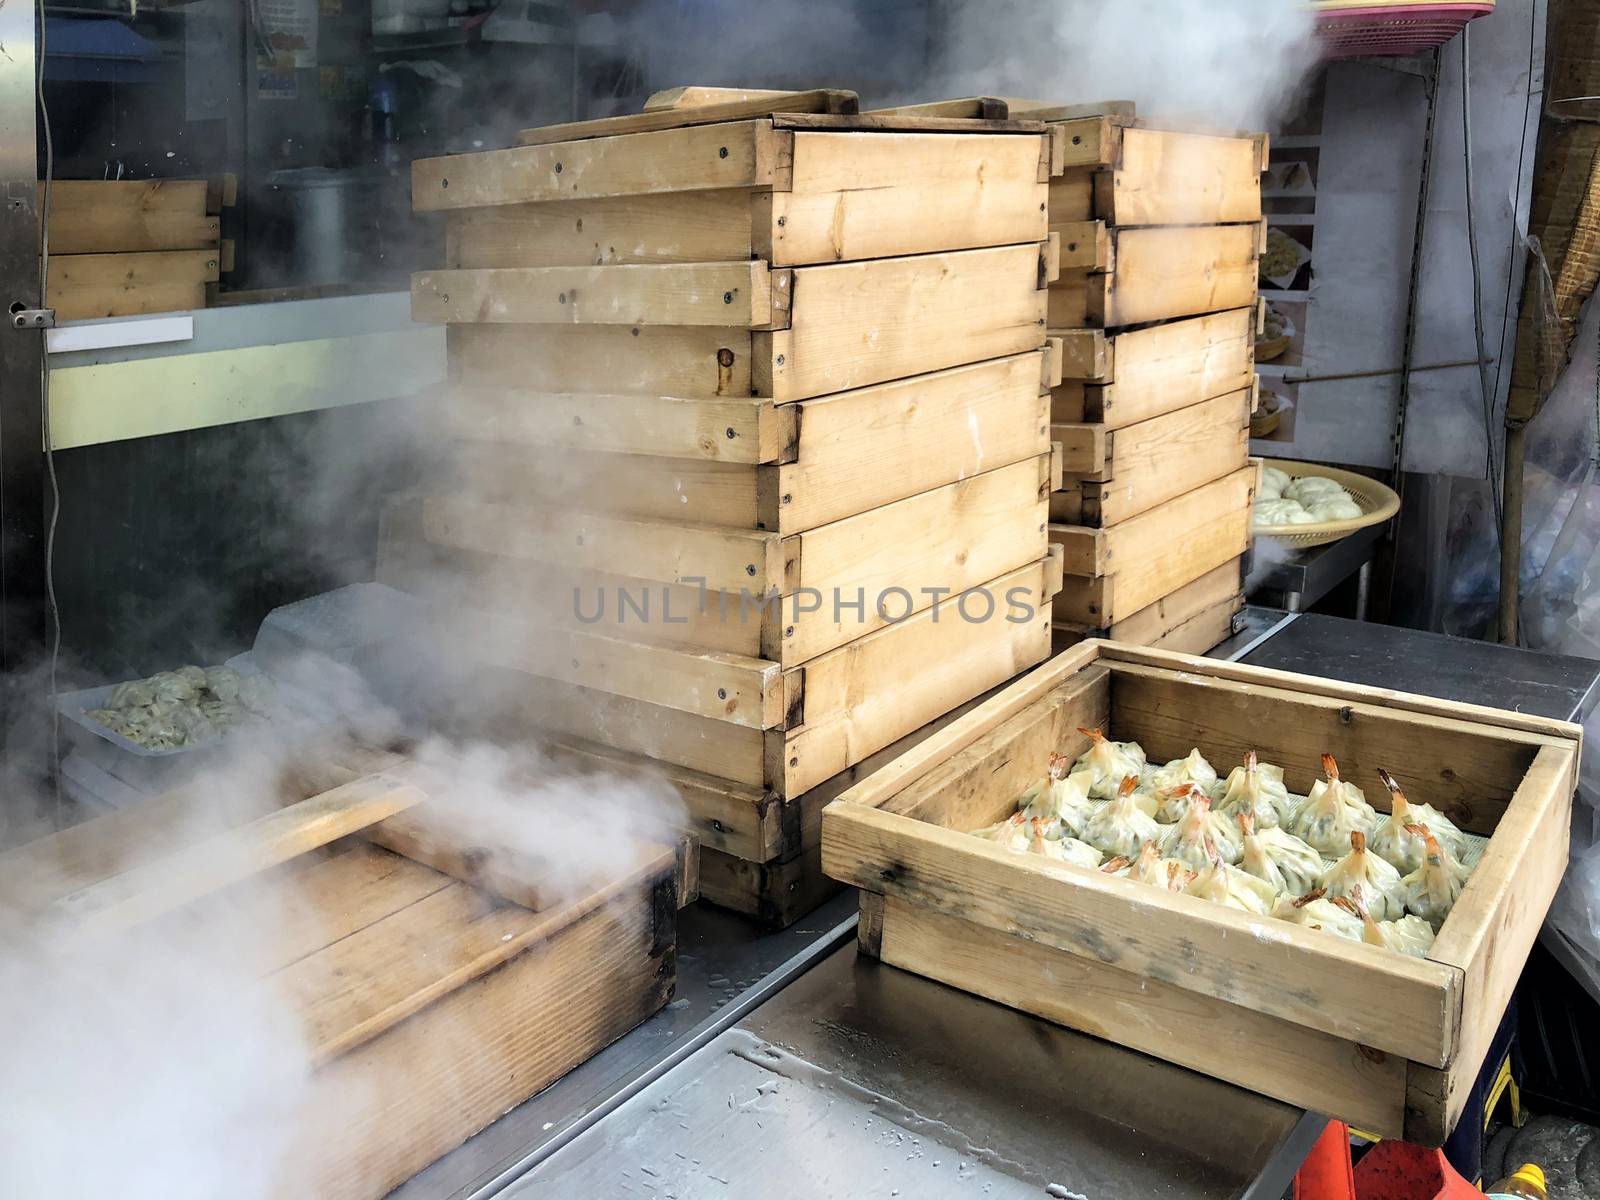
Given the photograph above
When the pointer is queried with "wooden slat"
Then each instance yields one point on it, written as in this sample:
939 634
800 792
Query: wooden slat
488 1045
604 358
679 116
858 197
732 430
861 697
861 449
184 196
1162 273
777 894
1271 967
956 536
746 154
1044 110
692 96
865 123
1083 448
86 286
1493 925
1441 761
674 227
1165 457
1072 197
164 884
725 559
985 108
647 487
854 324
1133 543
1169 178
111 230
1147 372
972 787
1086 354
1183 620
1089 142
1297 1065
738 295
1085 245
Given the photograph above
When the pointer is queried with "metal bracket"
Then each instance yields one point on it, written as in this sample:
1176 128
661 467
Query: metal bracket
33 318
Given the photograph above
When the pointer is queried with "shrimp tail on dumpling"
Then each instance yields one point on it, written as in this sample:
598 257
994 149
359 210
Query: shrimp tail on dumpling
1332 811
1432 889
1377 879
1121 827
1108 763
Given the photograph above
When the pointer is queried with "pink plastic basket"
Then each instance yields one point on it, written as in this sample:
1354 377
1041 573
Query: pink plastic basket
1351 30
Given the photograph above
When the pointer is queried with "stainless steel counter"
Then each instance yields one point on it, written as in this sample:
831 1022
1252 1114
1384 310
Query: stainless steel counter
788 1062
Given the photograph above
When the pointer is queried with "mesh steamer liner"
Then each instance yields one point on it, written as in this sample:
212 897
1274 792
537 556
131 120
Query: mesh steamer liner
1377 503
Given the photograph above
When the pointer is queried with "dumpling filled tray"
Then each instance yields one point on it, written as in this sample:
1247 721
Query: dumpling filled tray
1319 891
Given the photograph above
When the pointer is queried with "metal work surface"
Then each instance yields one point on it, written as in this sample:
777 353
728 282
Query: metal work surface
1407 660
860 1080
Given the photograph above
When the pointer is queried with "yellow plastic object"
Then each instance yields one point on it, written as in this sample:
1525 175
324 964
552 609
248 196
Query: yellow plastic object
1377 503
1528 1183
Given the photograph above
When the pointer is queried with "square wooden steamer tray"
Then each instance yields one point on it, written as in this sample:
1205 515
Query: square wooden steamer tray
1112 475
923 240
1120 379
440 984
1112 573
1190 620
1390 1043
776 731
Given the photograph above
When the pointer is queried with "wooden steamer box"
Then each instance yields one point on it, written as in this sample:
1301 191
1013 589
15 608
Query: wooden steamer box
1156 308
438 986
716 355
1389 1043
124 247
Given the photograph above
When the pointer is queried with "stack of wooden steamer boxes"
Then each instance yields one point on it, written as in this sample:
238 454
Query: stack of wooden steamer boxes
1157 308
750 347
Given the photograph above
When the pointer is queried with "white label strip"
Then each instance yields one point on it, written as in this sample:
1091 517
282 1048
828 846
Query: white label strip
113 335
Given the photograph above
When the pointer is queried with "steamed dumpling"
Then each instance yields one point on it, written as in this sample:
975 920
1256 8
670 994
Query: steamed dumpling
1408 935
1064 798
1014 833
1393 841
1279 858
1062 849
1308 488
1431 890
1376 879
1121 827
1273 481
1257 789
1108 763
1340 508
1269 513
1314 911
1151 868
1201 837
1332 812
1222 884
1193 769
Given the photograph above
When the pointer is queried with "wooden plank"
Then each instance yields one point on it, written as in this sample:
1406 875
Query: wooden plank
1149 372
604 358
1196 603
725 687
1044 110
699 97
1162 273
731 430
1085 353
709 158
777 894
865 123
760 104
858 197
561 597
116 229
1255 963
985 108
722 559
735 753
1090 142
976 785
1083 448
1155 461
738 295
1297 1065
163 884
1103 600
1072 196
861 698
861 449
493 1042
1085 245
86 286
1494 924
1132 544
854 324
673 227
895 559
1163 177
646 487
177 196
1446 762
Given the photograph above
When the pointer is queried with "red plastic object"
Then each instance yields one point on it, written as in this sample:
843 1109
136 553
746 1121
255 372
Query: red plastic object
1326 1174
1351 30
1401 1171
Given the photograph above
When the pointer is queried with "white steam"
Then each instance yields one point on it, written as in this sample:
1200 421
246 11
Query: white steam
1237 65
